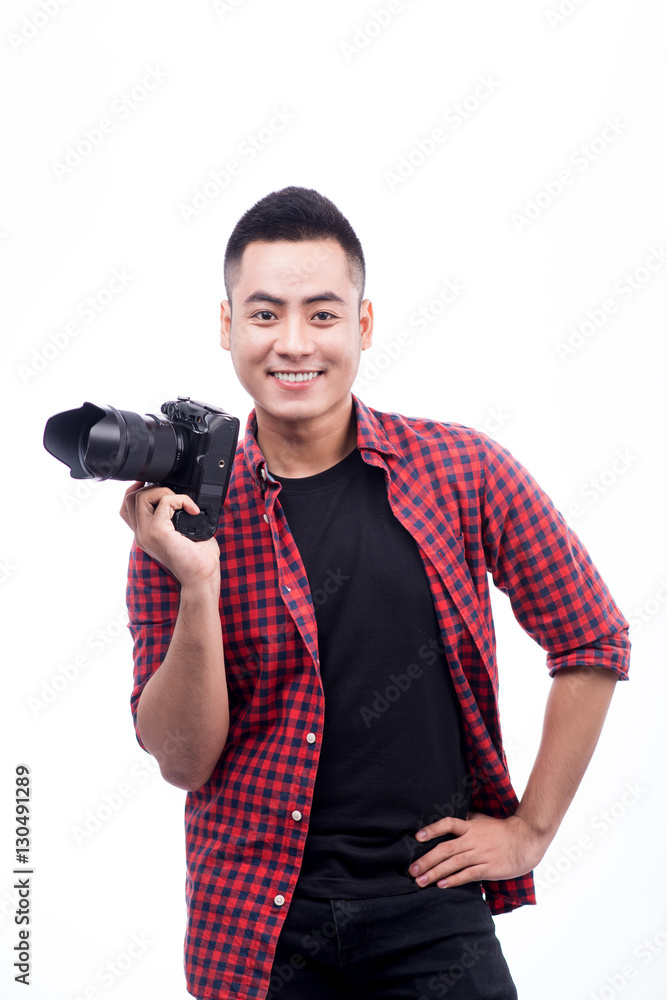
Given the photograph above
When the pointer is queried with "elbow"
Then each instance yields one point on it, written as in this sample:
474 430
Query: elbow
190 780
184 782
184 762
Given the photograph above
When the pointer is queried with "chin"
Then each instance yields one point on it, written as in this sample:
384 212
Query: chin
297 409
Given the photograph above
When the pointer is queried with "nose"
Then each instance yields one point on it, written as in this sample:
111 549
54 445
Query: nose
295 338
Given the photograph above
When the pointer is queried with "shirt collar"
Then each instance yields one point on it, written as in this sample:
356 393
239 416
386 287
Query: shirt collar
371 436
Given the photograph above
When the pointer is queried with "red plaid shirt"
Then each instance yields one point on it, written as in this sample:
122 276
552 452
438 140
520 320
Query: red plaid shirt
472 508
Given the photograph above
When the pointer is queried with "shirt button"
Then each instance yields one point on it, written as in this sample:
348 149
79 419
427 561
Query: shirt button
266 518
263 471
296 814
279 900
311 737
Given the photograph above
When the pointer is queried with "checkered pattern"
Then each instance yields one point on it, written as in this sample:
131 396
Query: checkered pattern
472 509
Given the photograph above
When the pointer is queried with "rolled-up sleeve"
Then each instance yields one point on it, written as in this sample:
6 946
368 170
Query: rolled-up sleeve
556 592
153 597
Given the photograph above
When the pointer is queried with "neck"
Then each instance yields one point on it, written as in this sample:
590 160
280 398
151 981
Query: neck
296 449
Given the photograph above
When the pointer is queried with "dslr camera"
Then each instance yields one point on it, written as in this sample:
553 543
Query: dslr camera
190 451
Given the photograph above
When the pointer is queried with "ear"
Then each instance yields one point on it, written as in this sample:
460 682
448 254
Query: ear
225 323
366 324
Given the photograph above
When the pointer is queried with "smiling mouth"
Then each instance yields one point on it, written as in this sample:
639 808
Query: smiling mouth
296 376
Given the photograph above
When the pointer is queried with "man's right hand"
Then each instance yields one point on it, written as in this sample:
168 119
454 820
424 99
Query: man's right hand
148 511
188 693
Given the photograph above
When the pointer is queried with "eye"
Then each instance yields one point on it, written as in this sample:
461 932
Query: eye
263 313
324 315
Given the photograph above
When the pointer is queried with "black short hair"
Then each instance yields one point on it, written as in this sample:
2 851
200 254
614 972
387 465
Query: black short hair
294 214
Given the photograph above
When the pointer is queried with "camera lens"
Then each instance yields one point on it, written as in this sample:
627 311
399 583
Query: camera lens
107 443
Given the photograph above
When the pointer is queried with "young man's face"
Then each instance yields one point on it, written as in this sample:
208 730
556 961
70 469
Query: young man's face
296 333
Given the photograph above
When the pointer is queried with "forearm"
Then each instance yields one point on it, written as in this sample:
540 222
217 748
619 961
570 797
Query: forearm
575 712
183 711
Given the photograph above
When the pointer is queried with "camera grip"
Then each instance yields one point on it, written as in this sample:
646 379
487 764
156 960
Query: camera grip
198 527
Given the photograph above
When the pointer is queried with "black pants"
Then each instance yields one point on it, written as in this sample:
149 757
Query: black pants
419 946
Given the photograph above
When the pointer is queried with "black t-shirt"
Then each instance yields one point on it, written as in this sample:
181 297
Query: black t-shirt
392 757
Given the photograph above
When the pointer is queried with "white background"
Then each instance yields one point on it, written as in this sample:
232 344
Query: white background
361 97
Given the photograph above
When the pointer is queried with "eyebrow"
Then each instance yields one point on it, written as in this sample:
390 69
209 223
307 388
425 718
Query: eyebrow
261 296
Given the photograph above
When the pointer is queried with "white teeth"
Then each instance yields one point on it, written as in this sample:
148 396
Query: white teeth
295 377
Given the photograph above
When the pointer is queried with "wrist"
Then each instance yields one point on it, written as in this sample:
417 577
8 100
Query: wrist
201 589
540 829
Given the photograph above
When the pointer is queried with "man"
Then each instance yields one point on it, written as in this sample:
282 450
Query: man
327 682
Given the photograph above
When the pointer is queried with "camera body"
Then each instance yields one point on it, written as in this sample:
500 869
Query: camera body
205 465
191 451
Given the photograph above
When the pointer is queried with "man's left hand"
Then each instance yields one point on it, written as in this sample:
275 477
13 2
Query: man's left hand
484 848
